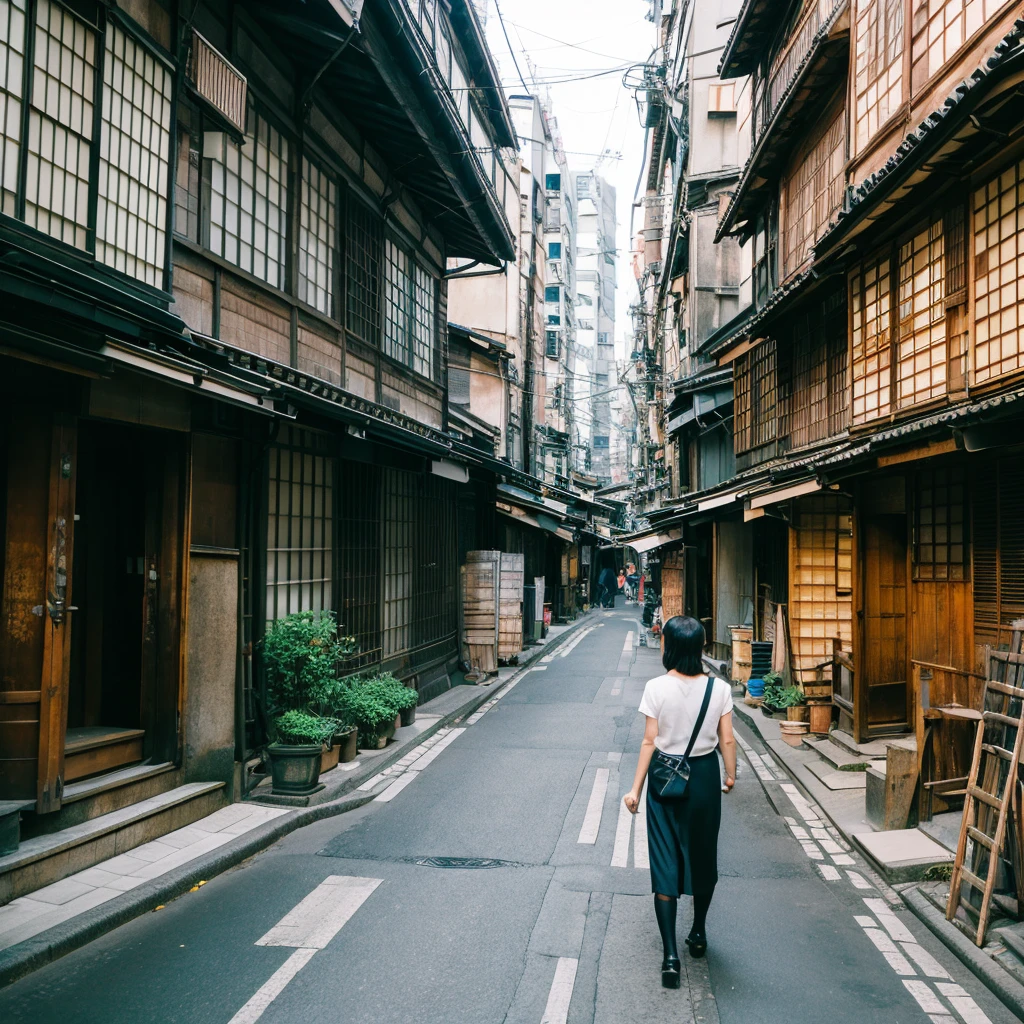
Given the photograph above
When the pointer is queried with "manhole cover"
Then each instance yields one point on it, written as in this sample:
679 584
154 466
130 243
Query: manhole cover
465 862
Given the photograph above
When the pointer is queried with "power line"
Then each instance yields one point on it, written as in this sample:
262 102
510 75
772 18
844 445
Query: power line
511 53
564 42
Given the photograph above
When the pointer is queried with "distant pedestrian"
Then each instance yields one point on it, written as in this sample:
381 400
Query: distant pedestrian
606 582
620 582
689 717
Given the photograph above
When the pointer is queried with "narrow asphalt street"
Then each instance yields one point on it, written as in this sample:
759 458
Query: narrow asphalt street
498 880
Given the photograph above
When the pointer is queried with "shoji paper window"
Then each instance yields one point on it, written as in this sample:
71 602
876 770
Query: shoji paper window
940 29
248 201
921 344
869 297
12 77
131 212
878 73
318 224
998 284
61 125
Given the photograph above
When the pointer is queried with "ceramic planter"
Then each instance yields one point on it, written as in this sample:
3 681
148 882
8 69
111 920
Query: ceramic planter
295 769
821 718
347 745
329 757
386 734
798 713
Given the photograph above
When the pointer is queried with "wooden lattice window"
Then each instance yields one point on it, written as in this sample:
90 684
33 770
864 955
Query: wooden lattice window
814 192
921 349
997 546
364 244
872 355
998 248
820 599
818 401
878 72
940 513
941 28
955 230
756 397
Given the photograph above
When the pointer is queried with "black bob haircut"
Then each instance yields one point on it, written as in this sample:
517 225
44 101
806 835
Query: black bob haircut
684 644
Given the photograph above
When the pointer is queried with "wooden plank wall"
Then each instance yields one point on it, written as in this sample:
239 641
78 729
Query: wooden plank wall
510 612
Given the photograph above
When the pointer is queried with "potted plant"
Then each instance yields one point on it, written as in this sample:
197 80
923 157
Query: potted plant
295 756
369 705
795 704
300 654
346 740
407 699
773 702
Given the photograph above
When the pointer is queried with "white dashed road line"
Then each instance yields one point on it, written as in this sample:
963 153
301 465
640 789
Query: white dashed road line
307 928
620 851
641 858
560 996
595 808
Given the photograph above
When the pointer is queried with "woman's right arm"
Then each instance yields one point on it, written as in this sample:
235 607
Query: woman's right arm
632 798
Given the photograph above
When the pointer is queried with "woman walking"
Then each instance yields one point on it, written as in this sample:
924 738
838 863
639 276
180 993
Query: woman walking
689 718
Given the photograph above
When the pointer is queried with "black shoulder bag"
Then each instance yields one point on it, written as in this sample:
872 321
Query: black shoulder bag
669 774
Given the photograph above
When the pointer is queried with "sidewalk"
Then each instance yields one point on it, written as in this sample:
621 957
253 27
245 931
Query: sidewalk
51 922
902 857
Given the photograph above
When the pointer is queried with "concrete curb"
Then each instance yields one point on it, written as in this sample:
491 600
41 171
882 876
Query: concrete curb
42 949
1000 982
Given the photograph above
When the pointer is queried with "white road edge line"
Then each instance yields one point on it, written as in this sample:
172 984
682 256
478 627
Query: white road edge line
560 996
971 1012
641 858
396 787
595 808
620 852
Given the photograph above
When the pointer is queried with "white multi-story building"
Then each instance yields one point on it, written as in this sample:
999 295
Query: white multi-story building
595 320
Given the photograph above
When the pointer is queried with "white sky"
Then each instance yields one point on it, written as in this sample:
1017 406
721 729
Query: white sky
554 40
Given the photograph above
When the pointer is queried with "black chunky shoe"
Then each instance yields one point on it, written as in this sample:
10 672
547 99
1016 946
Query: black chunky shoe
697 943
670 972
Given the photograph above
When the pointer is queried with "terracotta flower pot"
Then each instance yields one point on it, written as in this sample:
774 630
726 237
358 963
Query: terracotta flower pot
329 757
793 733
347 740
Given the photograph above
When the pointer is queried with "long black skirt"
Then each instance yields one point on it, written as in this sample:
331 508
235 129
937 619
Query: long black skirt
682 835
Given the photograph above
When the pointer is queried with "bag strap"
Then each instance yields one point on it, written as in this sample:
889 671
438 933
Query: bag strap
700 717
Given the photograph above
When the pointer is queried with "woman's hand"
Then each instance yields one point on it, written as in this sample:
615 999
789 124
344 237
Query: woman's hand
728 784
632 801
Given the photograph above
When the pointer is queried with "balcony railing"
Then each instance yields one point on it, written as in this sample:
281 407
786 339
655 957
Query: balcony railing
788 60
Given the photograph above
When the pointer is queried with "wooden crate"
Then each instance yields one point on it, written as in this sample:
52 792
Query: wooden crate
510 610
480 578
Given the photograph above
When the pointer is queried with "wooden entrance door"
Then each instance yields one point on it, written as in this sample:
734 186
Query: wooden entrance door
884 624
37 467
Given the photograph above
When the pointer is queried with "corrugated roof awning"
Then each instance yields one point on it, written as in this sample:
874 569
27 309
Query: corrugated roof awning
720 500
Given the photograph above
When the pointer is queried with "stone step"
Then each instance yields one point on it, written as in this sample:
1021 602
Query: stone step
45 859
873 748
839 757
836 780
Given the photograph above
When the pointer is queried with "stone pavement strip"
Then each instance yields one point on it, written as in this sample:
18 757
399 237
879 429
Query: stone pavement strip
52 921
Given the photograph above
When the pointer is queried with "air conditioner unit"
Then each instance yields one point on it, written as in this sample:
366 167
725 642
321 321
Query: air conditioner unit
216 81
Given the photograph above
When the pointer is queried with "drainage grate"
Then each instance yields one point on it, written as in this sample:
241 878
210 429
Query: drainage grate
465 862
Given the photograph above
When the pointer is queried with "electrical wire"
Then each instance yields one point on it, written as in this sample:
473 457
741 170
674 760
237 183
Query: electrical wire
504 32
564 42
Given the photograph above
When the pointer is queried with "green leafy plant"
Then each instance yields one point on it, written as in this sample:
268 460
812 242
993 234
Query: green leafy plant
300 654
369 707
792 697
301 728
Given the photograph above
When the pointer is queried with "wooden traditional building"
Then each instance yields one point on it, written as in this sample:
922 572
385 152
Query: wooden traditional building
225 229
877 369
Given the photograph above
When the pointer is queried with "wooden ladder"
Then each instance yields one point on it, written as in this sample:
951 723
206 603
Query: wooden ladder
990 789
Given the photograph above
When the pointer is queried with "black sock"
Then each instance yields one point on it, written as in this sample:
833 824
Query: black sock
665 912
701 903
